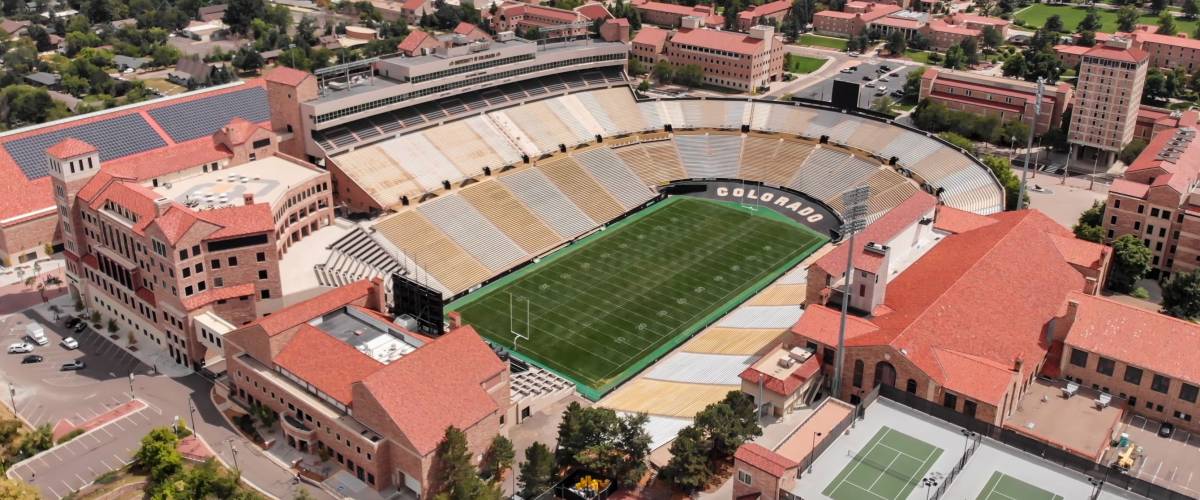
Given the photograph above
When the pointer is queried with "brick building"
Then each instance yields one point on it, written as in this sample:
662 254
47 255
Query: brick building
767 474
853 20
671 15
408 10
744 62
953 307
1005 98
768 13
344 378
1137 355
1154 199
1109 89
522 17
167 241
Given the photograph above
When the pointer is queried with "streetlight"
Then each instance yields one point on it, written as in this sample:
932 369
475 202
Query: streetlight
12 394
967 435
930 483
192 414
131 395
1097 486
812 451
233 449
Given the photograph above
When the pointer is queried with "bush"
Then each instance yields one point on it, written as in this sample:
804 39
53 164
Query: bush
108 477
71 435
1140 293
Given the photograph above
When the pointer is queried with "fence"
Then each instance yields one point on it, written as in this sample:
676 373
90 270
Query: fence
1107 475
972 445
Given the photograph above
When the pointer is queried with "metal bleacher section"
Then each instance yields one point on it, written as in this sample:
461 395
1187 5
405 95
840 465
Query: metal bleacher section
354 257
551 181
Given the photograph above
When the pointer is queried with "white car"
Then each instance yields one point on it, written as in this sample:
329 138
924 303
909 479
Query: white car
20 348
70 343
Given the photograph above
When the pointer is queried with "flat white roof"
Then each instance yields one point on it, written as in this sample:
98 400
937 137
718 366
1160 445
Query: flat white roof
268 179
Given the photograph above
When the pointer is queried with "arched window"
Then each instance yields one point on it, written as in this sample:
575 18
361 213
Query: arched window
911 386
858 372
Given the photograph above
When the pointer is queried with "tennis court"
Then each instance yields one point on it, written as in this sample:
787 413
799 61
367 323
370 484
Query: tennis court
1005 487
888 467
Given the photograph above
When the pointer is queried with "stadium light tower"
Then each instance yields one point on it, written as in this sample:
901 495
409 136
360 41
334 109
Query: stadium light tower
855 217
1037 111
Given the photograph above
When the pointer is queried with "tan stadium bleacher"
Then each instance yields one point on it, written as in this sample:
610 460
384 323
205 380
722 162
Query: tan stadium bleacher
655 162
541 125
458 142
504 210
378 174
773 161
612 172
872 136
433 250
623 110
581 188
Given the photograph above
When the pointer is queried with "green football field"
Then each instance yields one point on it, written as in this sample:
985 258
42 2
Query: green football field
888 468
604 308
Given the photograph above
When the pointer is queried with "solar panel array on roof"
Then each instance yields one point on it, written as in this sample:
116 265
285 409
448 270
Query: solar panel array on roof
114 138
201 117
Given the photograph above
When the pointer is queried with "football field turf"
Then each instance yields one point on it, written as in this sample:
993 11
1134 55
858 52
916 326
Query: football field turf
887 468
607 306
1005 487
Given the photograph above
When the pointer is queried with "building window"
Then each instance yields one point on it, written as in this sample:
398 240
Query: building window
215 264
232 261
261 256
950 401
1187 392
858 373
1105 366
745 477
262 274
1160 384
1133 375
266 294
1078 357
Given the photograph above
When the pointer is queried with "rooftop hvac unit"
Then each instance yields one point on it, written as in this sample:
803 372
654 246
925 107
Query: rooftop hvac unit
786 362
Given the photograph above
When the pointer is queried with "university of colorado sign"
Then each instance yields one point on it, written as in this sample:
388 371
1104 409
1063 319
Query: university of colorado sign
798 207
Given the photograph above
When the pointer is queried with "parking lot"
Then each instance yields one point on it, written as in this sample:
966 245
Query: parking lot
1171 462
871 79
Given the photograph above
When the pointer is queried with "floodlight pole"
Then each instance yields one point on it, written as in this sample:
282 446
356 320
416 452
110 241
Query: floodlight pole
1037 110
855 201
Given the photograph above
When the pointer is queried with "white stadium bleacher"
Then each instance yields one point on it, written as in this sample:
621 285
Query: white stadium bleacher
550 198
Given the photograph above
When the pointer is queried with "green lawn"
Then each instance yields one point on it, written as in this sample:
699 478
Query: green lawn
1037 14
803 64
606 307
889 466
920 56
823 41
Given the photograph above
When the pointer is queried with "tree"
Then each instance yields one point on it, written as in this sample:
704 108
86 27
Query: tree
1054 24
955 59
688 468
240 13
537 473
1166 24
247 59
599 440
1015 66
158 454
912 84
1154 90
992 38
498 459
1131 151
883 105
1190 9
1181 295
663 72
1127 17
1131 260
15 489
1001 167
970 49
455 476
691 75
896 43
1157 6
1089 225
1090 22
1086 39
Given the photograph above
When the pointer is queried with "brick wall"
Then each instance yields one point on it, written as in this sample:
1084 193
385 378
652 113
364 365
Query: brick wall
30 237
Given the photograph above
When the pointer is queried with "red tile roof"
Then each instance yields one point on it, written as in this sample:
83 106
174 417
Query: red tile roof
953 220
413 41
765 9
239 220
883 229
897 22
311 353
436 386
593 11
1117 54
755 455
938 25
719 40
1146 339
214 294
320 305
1079 252
651 35
175 222
287 76
822 324
674 8
1129 188
70 148
1077 50
240 130
787 386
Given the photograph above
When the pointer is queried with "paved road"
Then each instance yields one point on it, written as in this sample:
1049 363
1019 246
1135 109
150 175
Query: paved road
45 395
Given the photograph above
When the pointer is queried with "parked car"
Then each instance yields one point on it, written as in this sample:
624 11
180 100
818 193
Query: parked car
72 366
854 53
883 79
30 359
847 70
70 343
1166 430
866 78
885 67
20 348
870 85
80 327
71 322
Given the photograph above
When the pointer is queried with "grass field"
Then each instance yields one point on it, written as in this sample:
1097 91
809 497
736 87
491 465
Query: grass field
823 41
1005 487
614 302
803 64
1037 14
888 467
920 56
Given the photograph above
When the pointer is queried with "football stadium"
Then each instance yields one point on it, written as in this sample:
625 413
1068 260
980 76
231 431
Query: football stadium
587 230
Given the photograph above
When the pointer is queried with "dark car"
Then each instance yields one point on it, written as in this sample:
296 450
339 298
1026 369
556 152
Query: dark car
32 358
71 322
72 366
1166 430
866 78
80 327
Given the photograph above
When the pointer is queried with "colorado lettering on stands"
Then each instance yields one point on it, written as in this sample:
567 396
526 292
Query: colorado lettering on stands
797 206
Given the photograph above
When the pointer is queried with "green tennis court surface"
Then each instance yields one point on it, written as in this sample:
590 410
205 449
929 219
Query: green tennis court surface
888 467
604 308
1005 487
